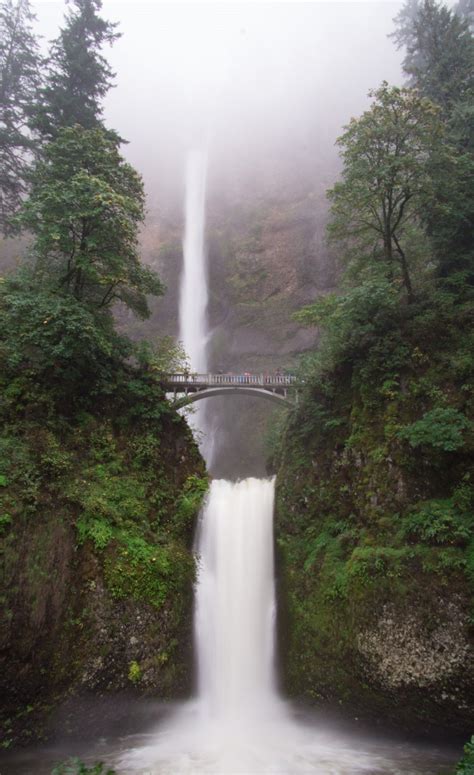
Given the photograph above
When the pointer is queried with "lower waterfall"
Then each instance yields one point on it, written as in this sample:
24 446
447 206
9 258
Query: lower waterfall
238 724
235 600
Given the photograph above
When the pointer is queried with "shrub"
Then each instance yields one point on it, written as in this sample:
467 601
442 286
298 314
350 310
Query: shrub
441 429
76 767
466 765
438 522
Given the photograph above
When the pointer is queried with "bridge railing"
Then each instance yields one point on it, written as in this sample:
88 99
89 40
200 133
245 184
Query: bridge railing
269 380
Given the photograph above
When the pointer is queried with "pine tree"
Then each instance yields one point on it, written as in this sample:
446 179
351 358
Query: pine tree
465 9
78 75
439 59
19 81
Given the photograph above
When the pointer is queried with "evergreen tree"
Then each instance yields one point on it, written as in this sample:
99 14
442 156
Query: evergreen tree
465 9
78 75
439 57
19 81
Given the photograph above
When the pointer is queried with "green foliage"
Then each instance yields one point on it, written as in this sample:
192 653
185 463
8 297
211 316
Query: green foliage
466 765
112 495
190 501
439 522
5 522
53 338
439 56
95 530
353 321
76 767
134 672
84 209
165 356
78 76
140 570
386 181
441 428
440 64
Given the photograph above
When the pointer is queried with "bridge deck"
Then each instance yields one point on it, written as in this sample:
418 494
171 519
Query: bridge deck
181 382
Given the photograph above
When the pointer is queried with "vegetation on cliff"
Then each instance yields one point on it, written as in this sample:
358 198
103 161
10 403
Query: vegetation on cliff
376 465
100 479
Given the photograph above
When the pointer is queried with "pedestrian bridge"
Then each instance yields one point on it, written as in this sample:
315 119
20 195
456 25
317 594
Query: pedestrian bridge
188 388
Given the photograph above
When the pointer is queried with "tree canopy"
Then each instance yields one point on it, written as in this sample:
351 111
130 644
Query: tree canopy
386 181
77 74
439 63
84 210
439 57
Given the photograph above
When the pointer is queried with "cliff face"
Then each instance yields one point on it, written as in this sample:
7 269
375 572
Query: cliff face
267 256
375 539
97 570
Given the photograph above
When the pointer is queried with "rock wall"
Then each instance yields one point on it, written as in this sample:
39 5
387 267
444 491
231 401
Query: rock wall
96 566
375 558
267 256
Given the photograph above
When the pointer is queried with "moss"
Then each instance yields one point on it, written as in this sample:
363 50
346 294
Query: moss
376 540
134 672
97 568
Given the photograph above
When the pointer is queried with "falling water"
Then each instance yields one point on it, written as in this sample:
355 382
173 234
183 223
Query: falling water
235 601
193 300
193 326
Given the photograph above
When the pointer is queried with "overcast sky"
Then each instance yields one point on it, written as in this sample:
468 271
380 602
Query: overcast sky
249 78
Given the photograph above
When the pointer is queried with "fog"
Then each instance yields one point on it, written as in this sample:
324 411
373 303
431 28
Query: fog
267 86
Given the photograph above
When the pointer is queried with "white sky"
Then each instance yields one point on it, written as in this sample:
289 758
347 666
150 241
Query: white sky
258 77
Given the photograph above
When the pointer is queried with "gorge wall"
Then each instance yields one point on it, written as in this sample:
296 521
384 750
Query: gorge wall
267 256
97 522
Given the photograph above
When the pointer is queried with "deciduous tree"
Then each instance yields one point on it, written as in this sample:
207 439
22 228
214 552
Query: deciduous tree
386 180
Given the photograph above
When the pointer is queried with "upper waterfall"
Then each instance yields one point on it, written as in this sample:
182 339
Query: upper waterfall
193 300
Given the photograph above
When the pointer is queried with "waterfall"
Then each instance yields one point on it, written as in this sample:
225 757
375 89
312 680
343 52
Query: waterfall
235 600
193 300
237 724
194 294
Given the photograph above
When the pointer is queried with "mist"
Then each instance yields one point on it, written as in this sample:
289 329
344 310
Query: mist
266 86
